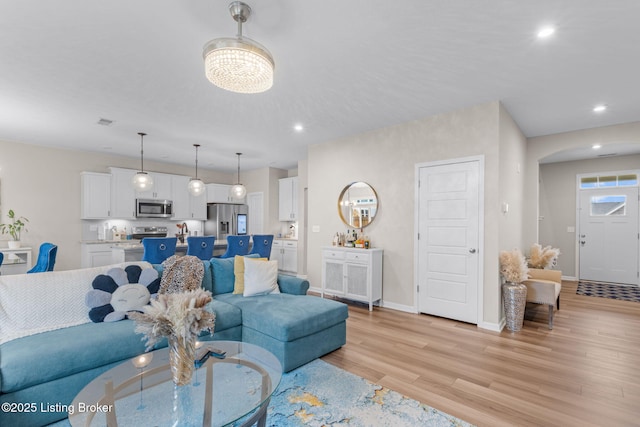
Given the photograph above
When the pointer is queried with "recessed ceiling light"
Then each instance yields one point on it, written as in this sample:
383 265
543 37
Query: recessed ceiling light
599 108
596 146
546 32
298 127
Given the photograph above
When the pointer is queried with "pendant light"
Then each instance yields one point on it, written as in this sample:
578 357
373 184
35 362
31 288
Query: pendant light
238 191
238 64
196 186
142 181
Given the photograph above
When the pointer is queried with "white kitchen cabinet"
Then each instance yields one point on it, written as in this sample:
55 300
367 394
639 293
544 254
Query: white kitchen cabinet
219 193
95 196
352 273
96 255
288 199
185 205
123 196
286 253
161 187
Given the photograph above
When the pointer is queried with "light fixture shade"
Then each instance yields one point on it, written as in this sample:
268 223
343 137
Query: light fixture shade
196 187
142 181
238 191
239 65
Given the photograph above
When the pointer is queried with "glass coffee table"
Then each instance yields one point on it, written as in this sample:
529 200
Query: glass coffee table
141 392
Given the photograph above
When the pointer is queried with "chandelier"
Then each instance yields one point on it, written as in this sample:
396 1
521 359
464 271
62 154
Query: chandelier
238 64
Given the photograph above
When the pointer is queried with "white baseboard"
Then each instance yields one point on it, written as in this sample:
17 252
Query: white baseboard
570 278
314 289
399 307
496 327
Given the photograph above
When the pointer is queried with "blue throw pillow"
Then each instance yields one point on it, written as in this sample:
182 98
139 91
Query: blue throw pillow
223 277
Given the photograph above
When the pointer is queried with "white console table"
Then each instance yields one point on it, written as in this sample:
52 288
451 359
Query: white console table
352 273
16 261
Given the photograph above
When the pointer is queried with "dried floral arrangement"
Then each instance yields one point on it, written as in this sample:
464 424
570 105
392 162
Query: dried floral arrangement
181 315
540 257
513 266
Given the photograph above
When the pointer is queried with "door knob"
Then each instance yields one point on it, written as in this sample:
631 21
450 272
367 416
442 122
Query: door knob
472 251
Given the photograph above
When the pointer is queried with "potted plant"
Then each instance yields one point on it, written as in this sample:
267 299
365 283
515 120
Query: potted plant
14 228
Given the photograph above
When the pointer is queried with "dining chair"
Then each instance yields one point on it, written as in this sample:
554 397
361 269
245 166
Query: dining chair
157 249
236 245
262 245
201 246
46 258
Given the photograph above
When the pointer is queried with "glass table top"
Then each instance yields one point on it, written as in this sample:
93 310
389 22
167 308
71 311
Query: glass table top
221 391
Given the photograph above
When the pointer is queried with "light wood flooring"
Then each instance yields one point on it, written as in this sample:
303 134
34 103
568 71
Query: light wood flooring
584 372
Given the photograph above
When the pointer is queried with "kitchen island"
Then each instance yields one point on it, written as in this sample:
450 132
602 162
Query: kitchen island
125 252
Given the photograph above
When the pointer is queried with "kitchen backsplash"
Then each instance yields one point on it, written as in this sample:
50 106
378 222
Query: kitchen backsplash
90 228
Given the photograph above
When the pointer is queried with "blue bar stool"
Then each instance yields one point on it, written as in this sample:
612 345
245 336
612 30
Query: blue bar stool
236 245
46 258
157 249
201 246
262 245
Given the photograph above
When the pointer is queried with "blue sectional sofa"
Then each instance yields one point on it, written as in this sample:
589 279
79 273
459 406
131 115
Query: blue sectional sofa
45 366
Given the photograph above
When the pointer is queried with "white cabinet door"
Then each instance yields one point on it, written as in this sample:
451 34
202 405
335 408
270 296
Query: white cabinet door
290 257
286 253
161 187
96 255
123 196
180 197
95 197
288 199
352 273
220 193
198 207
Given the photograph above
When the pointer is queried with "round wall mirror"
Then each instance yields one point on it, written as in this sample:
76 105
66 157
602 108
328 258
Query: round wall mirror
358 204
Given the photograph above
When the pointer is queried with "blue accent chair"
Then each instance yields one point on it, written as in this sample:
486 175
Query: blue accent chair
1 259
201 246
46 258
236 245
157 249
262 245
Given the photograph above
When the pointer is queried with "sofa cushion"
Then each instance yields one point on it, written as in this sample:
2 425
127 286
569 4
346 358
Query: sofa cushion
39 358
227 315
287 317
223 276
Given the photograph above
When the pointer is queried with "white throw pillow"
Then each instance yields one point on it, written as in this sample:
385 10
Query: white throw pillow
260 277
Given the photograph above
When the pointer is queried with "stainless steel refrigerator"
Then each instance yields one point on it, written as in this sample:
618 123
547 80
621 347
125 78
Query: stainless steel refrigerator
226 219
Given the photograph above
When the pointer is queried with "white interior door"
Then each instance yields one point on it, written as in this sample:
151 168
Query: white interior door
448 240
608 237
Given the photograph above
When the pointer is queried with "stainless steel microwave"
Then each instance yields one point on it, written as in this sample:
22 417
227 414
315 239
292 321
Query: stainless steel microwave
154 208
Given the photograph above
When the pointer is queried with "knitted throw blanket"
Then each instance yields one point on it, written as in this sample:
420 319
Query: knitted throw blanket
181 273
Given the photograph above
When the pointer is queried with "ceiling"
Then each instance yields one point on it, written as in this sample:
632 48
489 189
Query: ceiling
342 68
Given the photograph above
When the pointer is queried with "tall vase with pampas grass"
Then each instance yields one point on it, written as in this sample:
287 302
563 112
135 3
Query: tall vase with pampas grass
179 317
513 269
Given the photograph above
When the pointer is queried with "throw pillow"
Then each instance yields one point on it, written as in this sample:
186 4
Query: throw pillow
223 277
260 277
238 271
181 274
120 291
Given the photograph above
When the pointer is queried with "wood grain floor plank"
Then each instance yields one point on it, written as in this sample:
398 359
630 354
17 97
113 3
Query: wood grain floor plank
584 372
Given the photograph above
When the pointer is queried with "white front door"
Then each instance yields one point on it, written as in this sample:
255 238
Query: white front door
448 240
608 235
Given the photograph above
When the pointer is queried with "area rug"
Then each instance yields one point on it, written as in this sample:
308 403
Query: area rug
319 394
608 290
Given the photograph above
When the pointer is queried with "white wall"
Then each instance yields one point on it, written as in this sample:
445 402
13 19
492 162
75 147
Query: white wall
540 147
43 184
558 203
386 159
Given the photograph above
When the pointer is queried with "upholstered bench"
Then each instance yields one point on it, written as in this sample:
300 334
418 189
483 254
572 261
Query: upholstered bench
543 287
